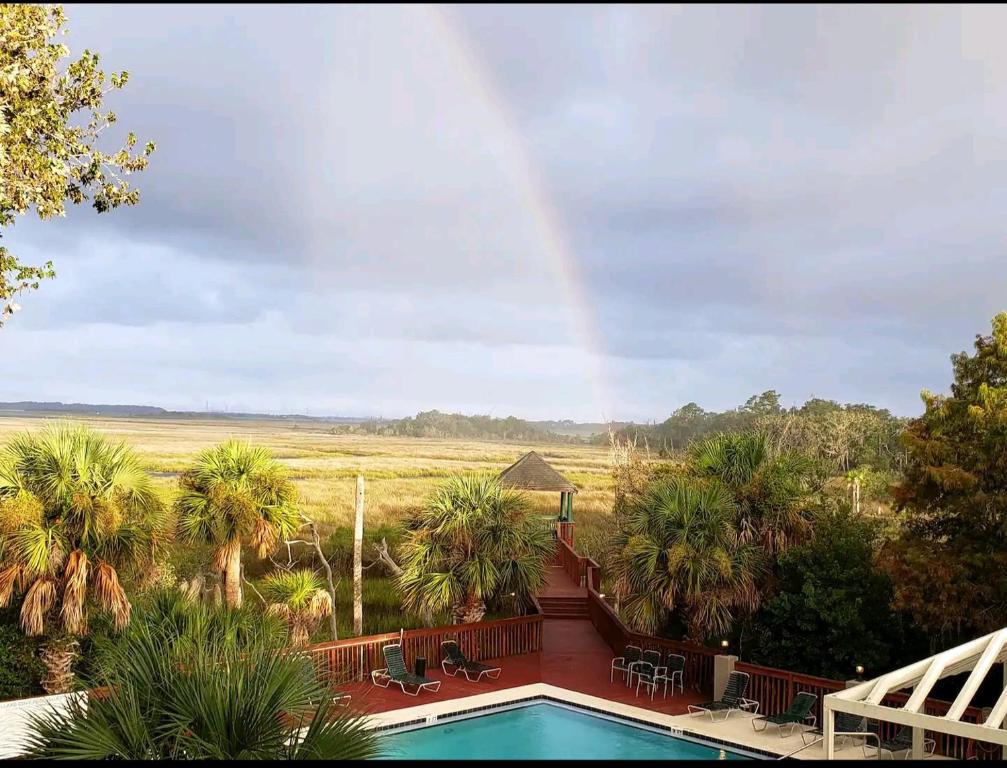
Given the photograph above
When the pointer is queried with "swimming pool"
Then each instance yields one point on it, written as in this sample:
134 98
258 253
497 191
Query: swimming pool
544 732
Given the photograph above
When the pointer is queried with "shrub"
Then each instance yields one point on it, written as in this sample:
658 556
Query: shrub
21 671
832 610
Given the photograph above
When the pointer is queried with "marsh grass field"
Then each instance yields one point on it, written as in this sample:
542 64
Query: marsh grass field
398 472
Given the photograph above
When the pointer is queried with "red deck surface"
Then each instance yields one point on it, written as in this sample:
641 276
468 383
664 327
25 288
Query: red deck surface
573 656
558 584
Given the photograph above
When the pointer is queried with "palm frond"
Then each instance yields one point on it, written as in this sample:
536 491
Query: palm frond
38 602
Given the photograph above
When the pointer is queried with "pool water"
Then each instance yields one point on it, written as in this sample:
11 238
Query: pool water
543 732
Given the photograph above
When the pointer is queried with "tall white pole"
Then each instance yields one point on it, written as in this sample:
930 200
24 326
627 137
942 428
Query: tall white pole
358 566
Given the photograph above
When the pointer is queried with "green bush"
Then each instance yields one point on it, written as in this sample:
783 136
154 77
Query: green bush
21 670
832 609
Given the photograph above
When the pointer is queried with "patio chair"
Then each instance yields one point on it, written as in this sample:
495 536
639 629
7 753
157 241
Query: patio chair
900 742
798 713
648 676
455 659
396 672
630 655
674 668
848 727
733 699
649 657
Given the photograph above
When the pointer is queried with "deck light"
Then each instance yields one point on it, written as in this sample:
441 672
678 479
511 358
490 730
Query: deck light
860 670
725 643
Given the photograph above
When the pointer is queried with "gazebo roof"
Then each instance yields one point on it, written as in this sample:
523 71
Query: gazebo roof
532 473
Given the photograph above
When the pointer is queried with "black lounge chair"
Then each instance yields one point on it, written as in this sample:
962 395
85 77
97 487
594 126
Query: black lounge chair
847 726
454 658
900 742
733 699
674 669
396 672
797 714
630 656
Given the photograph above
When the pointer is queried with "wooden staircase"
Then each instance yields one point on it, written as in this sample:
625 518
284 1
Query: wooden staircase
561 597
564 607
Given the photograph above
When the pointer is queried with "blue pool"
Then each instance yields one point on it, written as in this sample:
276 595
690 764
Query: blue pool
543 732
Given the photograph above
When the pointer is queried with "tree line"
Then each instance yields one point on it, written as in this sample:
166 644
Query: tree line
740 537
845 436
458 426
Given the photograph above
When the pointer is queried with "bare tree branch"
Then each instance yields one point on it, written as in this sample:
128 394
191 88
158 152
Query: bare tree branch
384 557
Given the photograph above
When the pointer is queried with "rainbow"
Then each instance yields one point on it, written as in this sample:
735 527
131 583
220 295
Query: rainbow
533 193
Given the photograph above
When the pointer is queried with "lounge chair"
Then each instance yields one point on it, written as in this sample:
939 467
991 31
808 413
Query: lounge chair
900 742
733 699
396 672
335 696
797 714
630 656
847 727
455 659
674 669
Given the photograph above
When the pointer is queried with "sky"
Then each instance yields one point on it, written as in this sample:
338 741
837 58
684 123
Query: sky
593 213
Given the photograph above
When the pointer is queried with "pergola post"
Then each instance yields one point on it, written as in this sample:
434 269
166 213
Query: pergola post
829 730
917 751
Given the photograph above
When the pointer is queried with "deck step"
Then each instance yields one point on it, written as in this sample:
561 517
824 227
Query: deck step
564 607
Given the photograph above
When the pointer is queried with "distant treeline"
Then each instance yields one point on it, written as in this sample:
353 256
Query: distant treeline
848 436
456 425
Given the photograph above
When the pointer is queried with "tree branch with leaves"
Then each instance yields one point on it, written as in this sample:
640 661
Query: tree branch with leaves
51 117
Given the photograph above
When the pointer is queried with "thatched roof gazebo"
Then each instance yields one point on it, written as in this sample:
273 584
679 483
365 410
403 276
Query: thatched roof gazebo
532 473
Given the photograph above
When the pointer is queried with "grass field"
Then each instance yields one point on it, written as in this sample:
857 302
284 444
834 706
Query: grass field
399 472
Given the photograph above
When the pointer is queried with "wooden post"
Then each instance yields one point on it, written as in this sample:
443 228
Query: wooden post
917 751
829 730
358 566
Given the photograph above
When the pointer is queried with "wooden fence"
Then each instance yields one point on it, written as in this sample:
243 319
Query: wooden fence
353 659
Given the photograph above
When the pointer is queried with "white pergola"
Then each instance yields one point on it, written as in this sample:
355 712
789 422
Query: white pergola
977 657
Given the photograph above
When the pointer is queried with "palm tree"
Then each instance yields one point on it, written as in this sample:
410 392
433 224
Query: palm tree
472 542
235 493
176 689
76 512
678 551
771 489
300 599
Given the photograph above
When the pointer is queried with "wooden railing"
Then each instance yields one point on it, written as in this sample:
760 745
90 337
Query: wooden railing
564 532
354 659
774 689
572 563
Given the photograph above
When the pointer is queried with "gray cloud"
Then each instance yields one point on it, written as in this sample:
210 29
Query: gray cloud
338 214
